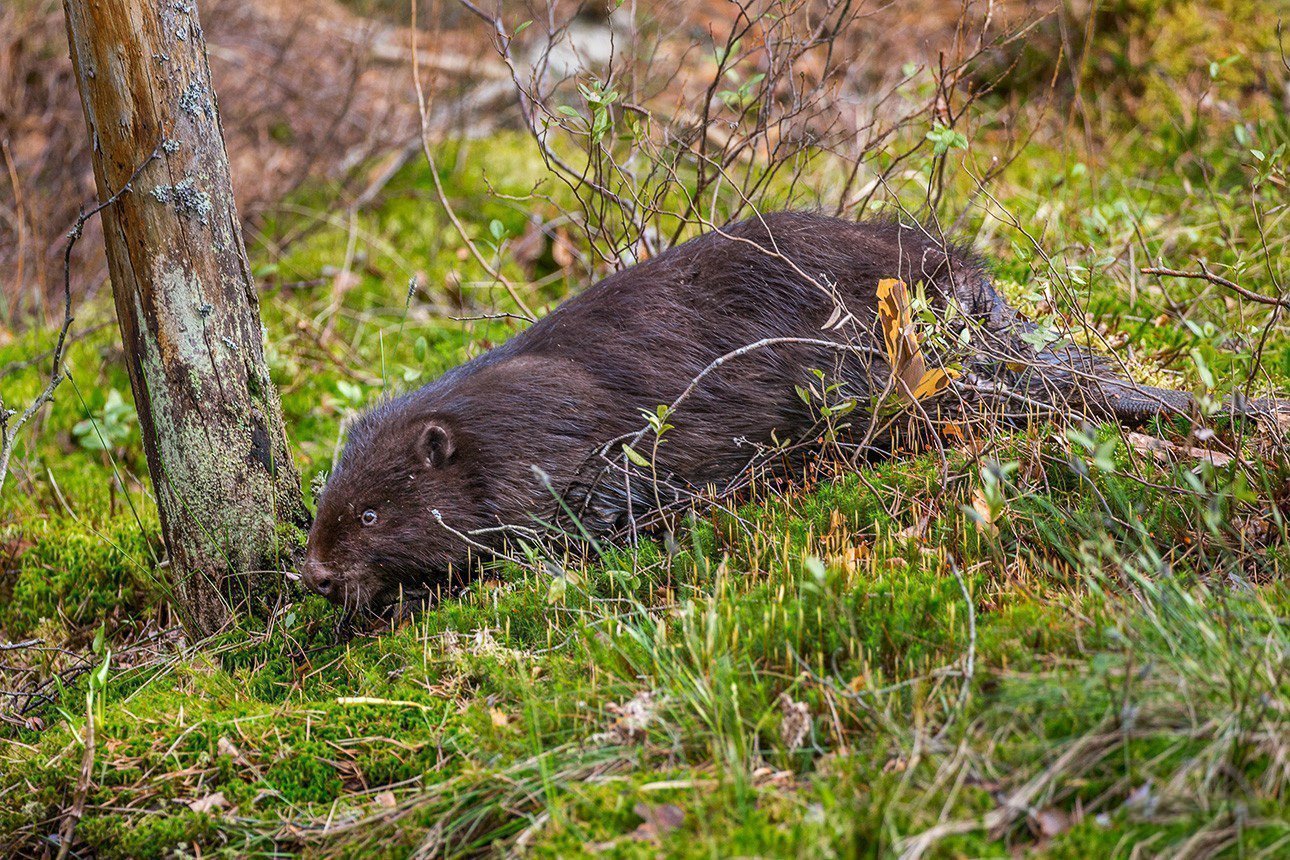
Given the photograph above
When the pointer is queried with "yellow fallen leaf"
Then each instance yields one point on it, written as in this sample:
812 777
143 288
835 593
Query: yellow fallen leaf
209 803
987 516
934 382
900 339
903 353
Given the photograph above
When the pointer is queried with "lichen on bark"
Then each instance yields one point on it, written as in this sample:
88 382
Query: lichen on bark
217 452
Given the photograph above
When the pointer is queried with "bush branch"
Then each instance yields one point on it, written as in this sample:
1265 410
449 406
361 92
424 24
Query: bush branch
1206 275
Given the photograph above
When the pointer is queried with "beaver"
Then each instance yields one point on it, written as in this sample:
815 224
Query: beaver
737 325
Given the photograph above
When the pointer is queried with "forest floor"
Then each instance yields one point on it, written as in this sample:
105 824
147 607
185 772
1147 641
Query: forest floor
1053 640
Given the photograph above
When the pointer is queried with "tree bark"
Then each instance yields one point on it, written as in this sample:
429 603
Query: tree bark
187 306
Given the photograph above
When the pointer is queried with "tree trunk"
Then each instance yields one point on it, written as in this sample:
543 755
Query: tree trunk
187 306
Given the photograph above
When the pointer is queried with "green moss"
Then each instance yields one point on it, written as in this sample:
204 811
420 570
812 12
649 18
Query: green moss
70 571
306 773
151 836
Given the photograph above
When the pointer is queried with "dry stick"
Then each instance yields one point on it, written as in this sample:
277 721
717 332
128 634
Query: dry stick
969 661
68 828
1206 275
438 185
1273 318
853 348
8 432
528 103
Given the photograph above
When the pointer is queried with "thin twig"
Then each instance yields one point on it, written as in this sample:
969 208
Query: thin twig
1206 275
428 150
1019 803
8 431
68 827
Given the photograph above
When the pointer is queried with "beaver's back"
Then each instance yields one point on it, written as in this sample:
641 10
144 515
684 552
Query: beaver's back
582 375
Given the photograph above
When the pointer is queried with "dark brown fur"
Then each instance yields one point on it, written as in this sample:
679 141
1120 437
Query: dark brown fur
466 444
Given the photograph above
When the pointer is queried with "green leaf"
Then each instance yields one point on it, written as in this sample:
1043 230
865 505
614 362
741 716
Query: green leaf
1041 337
350 391
556 590
816 568
1203 369
635 456
99 678
1104 456
945 139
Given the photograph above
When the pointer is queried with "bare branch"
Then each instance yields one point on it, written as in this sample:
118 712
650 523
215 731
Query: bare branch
9 430
1206 275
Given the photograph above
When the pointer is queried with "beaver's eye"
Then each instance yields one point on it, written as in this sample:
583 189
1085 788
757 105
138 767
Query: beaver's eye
369 518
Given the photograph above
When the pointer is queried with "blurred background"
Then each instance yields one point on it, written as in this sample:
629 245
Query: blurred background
320 91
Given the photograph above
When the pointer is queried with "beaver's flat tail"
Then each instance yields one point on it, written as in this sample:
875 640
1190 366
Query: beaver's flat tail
1133 404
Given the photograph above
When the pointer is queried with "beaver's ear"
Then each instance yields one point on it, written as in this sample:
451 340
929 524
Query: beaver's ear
436 444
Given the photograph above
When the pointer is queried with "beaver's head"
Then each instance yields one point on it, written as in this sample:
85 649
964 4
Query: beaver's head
376 537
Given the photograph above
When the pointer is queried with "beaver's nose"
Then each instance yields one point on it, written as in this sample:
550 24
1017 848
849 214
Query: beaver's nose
319 578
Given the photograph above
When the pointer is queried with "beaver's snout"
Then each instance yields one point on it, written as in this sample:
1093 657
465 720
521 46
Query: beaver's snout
319 578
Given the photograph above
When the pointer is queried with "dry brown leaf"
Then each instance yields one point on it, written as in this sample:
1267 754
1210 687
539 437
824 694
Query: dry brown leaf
658 821
914 381
895 765
934 382
1165 451
982 508
209 803
224 746
782 780
631 720
1051 822
903 352
796 724
915 531
562 249
851 556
